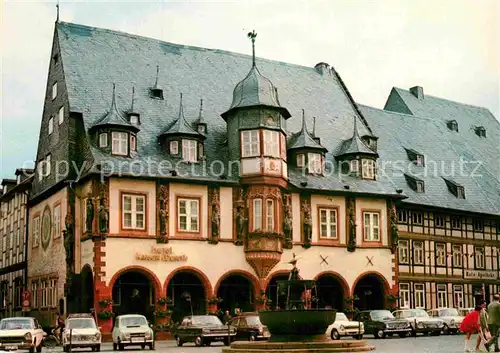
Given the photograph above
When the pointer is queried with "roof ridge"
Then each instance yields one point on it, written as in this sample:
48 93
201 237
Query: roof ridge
396 113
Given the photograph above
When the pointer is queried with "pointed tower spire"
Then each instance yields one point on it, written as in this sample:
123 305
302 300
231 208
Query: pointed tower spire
252 35
113 103
314 127
200 115
355 133
304 127
157 74
133 99
181 110
57 11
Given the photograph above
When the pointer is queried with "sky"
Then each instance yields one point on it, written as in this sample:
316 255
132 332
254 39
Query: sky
450 47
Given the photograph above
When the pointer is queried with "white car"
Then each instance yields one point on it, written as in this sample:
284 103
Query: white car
132 330
451 317
420 321
344 327
80 331
21 333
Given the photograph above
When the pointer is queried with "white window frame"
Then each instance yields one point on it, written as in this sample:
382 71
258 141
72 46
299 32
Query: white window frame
478 225
301 160
456 222
354 166
402 216
257 214
250 143
272 143
270 215
417 218
103 139
419 291
134 212
442 295
368 169
440 254
419 160
404 251
191 213
479 255
51 125
133 143
420 186
442 220
460 192
57 221
48 161
119 143
404 295
458 295
328 228
457 256
418 252
36 231
54 90
60 115
189 150
372 228
315 163
134 119
174 147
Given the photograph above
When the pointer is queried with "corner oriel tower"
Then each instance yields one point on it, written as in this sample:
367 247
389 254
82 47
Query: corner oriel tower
257 139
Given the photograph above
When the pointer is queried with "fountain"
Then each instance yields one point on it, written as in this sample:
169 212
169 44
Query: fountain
298 328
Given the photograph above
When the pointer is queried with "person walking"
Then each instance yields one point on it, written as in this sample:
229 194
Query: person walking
494 322
484 334
470 326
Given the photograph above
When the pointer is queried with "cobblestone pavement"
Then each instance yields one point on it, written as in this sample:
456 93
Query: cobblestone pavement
421 344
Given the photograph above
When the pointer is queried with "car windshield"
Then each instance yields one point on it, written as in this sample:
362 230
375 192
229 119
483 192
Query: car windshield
381 315
405 314
80 323
341 317
253 321
449 312
132 321
16 324
205 320
421 313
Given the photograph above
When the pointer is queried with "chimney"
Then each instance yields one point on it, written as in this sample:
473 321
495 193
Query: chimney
322 68
417 91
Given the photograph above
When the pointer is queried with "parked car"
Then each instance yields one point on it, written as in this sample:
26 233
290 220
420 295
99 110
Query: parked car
203 330
451 317
132 330
420 321
465 311
380 323
21 333
81 331
344 327
249 327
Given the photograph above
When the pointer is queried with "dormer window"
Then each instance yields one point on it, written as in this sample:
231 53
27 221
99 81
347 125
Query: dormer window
250 143
189 150
368 169
301 160
134 119
133 143
174 147
315 164
452 125
419 160
370 141
103 140
202 128
420 186
460 192
54 91
416 157
354 166
415 183
156 93
480 131
455 188
119 143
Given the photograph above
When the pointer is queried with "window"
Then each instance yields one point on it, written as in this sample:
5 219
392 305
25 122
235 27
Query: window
458 296
416 218
354 166
315 165
57 221
403 252
51 125
418 253
441 254
271 143
48 160
419 160
328 223
368 169
478 225
103 140
480 131
479 256
372 226
83 207
402 216
156 93
404 295
133 142
257 214
188 215
189 150
456 222
18 292
419 296
460 192
35 232
457 256
420 186
442 296
452 125
119 143
133 211
4 294
301 160
200 150
61 115
439 221
54 90
270 215
174 147
34 294
134 119
250 142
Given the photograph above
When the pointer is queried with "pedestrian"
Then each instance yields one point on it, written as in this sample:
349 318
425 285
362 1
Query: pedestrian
484 332
494 323
227 317
470 326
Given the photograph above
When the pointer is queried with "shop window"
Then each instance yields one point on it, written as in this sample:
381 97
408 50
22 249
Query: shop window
403 252
371 226
328 223
257 214
189 150
479 257
119 143
133 211
418 253
457 256
404 295
419 296
250 143
442 296
188 215
271 143
441 254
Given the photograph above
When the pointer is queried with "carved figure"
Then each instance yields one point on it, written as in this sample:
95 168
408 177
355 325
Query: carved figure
307 224
351 213
163 221
394 227
90 214
103 218
68 247
163 210
68 220
287 222
241 224
215 216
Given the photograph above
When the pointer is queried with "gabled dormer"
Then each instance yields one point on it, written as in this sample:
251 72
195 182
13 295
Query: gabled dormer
113 133
455 188
416 157
305 151
415 183
480 131
356 158
180 140
452 125
200 124
156 92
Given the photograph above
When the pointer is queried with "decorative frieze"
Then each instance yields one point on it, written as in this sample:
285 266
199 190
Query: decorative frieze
351 223
162 212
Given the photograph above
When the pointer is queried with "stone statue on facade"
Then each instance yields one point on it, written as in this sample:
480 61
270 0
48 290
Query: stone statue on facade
215 218
307 225
90 214
163 220
241 225
163 213
103 217
287 222
351 215
394 226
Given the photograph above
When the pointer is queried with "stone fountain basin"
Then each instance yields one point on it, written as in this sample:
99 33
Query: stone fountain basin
299 323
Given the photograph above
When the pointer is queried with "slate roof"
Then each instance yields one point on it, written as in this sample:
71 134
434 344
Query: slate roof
181 126
303 139
443 151
355 145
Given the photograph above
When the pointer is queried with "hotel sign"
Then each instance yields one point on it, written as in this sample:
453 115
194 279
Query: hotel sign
160 254
475 274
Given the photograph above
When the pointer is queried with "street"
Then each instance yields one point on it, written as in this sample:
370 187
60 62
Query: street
421 344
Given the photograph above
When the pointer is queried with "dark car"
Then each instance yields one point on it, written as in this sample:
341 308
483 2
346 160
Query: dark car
380 323
248 327
203 330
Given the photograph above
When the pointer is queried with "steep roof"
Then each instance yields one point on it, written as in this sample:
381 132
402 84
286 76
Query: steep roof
303 139
355 145
94 58
181 126
447 155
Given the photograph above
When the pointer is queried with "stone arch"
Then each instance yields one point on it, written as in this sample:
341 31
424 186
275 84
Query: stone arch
87 287
198 273
234 274
363 288
145 271
332 288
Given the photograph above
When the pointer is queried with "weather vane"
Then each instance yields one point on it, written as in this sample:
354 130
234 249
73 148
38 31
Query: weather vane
57 8
252 35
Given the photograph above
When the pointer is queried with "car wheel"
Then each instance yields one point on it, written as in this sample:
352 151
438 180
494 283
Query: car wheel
227 341
121 347
358 337
39 347
97 348
198 341
446 330
403 334
152 346
251 337
380 333
143 346
335 334
178 341
32 350
414 333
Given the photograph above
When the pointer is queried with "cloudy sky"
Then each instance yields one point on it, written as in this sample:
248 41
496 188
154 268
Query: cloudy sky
450 47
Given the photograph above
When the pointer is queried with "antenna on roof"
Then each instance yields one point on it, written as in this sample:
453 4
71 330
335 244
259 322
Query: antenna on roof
57 9
252 35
